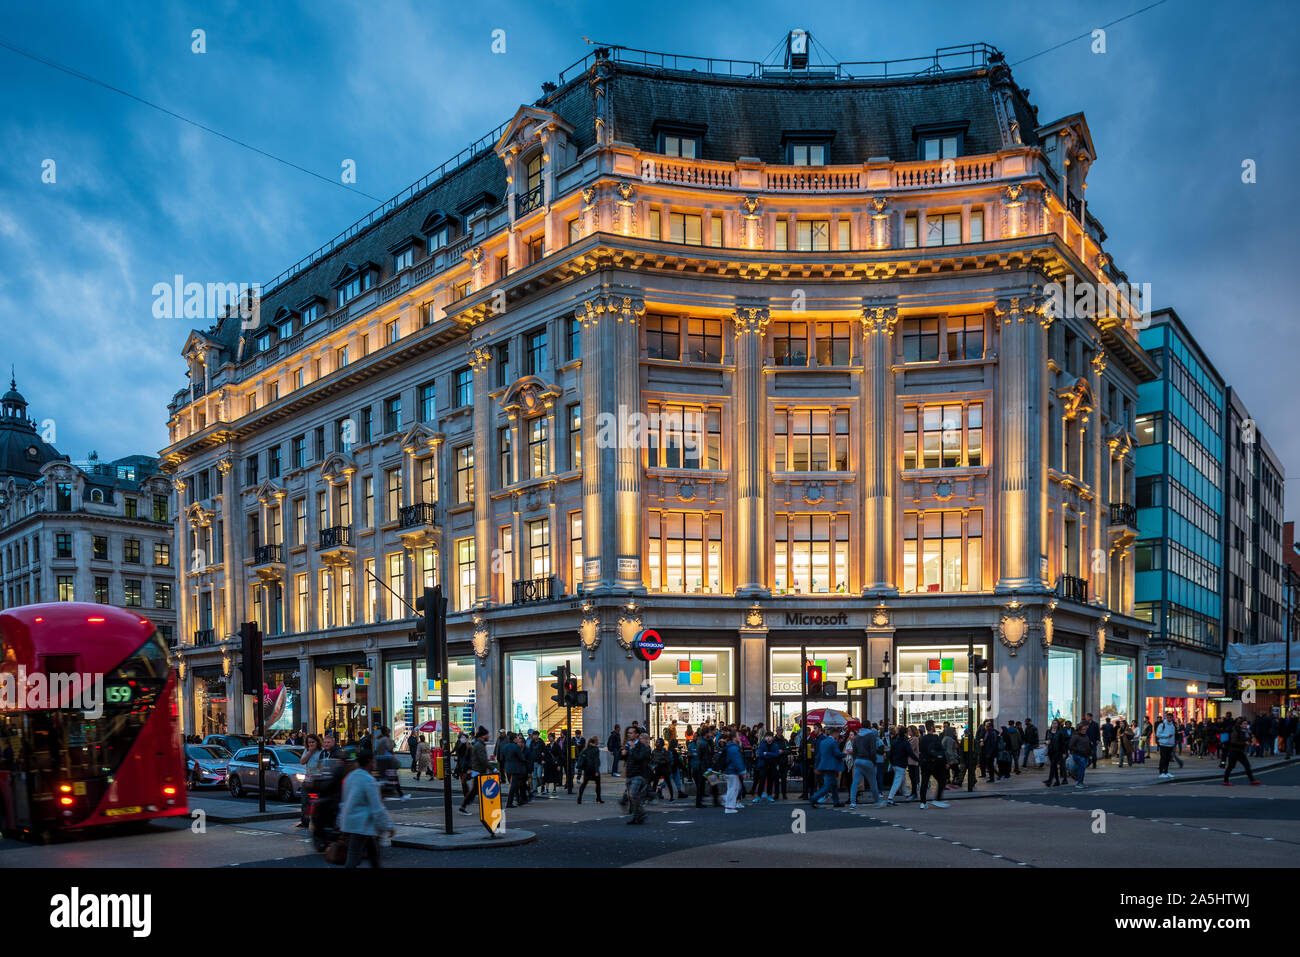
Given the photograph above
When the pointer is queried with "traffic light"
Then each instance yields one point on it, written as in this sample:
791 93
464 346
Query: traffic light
560 684
570 691
250 650
815 678
580 699
433 606
979 664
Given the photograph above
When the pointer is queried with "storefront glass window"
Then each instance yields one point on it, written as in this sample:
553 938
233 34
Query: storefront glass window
932 683
692 686
413 700
528 690
1116 688
280 700
1064 672
210 704
837 664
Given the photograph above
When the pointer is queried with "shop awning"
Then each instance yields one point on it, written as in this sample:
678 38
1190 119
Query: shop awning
1267 656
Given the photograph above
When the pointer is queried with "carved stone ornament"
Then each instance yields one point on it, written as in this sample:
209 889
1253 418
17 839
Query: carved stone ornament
754 617
943 490
878 205
481 639
1049 627
751 319
813 493
588 196
749 206
1101 639
625 193
880 617
879 318
686 490
1013 628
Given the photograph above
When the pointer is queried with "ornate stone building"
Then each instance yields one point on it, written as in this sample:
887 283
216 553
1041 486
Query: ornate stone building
758 361
82 531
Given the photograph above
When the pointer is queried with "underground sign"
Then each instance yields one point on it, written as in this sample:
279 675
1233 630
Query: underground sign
647 645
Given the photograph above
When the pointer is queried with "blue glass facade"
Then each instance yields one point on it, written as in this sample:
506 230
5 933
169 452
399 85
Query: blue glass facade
1179 553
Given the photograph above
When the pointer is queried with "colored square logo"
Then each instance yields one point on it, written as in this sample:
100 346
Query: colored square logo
690 672
939 671
1155 672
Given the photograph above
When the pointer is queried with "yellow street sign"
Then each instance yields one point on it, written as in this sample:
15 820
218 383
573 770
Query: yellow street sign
489 804
860 683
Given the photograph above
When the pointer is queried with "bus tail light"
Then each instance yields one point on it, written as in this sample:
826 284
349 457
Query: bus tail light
169 790
65 801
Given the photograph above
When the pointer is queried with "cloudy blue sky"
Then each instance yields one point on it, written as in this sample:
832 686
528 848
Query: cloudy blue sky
1183 93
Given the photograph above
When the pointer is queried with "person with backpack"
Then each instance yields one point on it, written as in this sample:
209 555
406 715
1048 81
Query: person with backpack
514 765
1238 745
766 759
904 758
866 747
731 761
704 766
1166 739
1080 747
589 766
829 764
636 757
1030 745
1013 738
661 771
933 764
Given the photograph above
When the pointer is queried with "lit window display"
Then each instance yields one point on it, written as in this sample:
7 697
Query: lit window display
932 683
692 686
786 682
413 699
1116 688
528 690
1064 673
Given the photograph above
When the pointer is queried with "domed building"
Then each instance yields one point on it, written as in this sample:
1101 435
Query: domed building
81 531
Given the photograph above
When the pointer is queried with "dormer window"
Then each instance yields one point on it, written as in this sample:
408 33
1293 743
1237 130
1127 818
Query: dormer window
808 147
263 342
311 309
438 229
353 280
285 329
678 139
936 142
403 253
530 197
438 238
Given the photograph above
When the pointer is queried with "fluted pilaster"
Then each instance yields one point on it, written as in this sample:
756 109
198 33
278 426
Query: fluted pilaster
479 361
878 466
750 323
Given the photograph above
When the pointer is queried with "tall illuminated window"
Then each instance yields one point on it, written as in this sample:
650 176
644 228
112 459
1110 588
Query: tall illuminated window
943 436
539 548
941 552
303 620
539 447
810 440
396 585
506 559
326 600
464 573
345 597
575 548
684 552
811 554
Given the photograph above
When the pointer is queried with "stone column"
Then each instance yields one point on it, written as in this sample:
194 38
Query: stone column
752 686
1021 396
307 694
184 624
750 450
229 560
479 361
879 464
1099 575
611 456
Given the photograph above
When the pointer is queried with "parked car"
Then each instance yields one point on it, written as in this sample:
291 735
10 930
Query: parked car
231 742
285 774
205 764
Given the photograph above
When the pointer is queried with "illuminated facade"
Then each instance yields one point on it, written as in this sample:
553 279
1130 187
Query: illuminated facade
672 354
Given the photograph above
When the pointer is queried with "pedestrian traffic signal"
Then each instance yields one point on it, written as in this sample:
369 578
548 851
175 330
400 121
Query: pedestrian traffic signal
250 650
433 606
560 684
815 677
979 664
580 699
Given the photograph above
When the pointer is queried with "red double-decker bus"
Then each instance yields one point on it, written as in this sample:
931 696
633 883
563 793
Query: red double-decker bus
64 765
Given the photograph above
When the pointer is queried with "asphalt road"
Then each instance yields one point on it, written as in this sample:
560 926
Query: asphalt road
1176 824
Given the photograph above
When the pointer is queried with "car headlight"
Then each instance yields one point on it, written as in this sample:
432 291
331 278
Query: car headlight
301 777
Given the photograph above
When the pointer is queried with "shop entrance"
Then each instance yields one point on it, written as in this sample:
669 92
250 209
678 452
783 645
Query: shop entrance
347 718
933 683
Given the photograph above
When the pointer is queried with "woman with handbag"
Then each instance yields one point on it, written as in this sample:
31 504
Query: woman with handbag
422 759
1055 757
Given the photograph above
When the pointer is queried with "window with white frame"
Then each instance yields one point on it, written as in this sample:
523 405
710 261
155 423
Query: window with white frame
464 574
684 552
947 435
684 436
811 554
810 440
943 551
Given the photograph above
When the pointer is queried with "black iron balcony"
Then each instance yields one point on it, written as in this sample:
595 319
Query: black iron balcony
525 203
421 513
534 589
204 636
1074 204
267 554
1075 589
338 536
1124 514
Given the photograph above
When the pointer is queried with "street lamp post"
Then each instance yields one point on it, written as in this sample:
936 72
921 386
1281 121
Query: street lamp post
972 678
885 676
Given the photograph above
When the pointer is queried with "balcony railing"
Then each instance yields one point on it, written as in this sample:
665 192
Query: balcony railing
205 636
1124 513
264 554
421 513
1075 589
338 536
534 589
1074 204
525 203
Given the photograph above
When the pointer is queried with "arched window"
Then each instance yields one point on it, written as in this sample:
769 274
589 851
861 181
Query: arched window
97 495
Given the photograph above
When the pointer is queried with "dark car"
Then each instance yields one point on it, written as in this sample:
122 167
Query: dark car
233 743
205 765
285 774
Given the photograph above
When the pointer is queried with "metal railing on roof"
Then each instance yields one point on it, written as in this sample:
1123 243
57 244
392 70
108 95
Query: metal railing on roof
474 150
966 56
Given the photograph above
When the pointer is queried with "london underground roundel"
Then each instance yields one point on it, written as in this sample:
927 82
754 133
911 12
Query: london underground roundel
647 645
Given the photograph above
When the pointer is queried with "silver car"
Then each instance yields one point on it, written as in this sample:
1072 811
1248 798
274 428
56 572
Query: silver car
205 764
285 774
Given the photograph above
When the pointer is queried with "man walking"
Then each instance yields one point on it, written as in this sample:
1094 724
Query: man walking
732 768
614 745
1166 734
933 762
1080 751
478 764
865 751
1107 738
1094 738
1014 739
1238 744
1031 743
637 759
515 766
830 762
703 764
